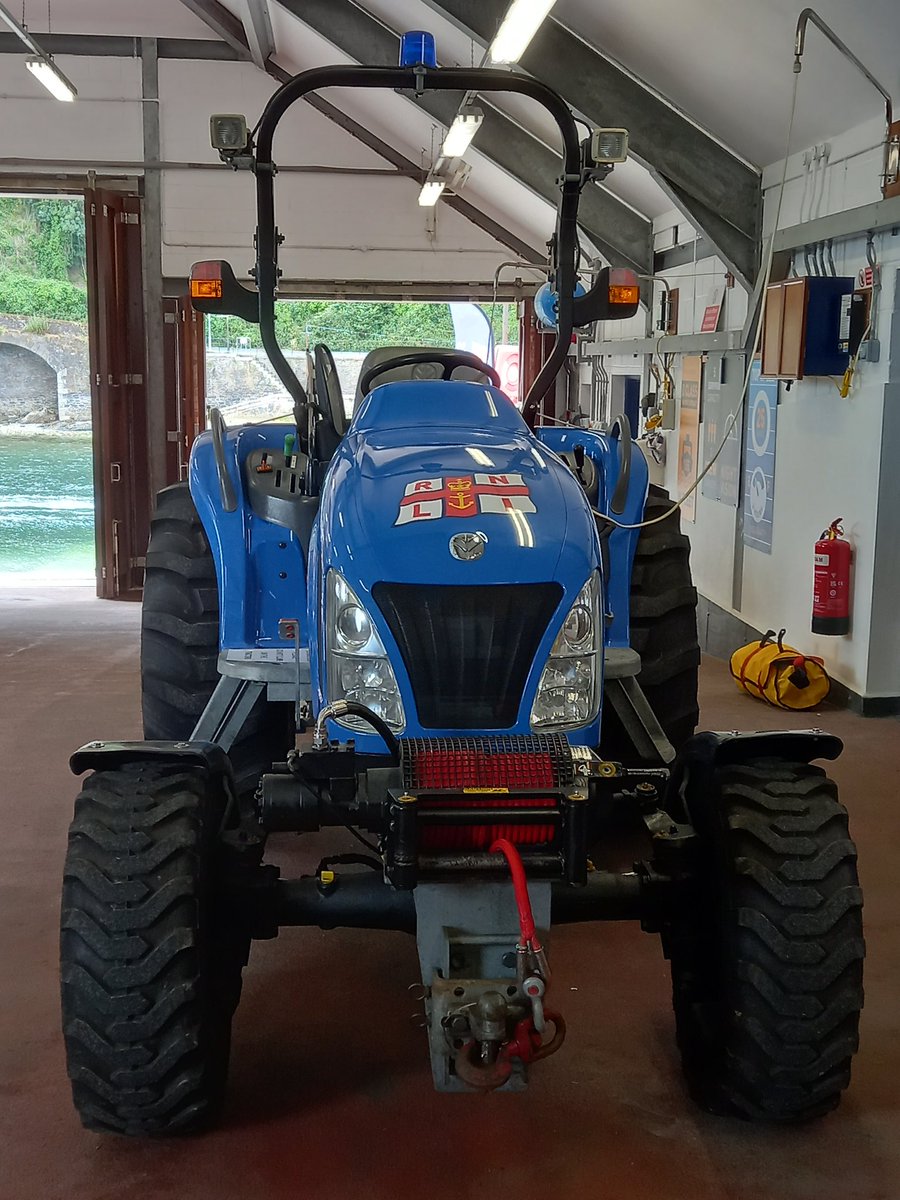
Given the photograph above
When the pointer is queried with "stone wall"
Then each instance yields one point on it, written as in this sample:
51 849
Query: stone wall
243 384
45 377
44 372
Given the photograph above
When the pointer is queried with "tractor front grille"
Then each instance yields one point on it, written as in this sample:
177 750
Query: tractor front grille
467 650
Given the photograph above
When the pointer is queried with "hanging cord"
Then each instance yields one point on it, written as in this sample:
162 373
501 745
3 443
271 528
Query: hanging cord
733 419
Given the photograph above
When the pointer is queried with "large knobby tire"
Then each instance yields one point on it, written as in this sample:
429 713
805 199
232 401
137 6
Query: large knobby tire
663 631
150 973
180 643
767 963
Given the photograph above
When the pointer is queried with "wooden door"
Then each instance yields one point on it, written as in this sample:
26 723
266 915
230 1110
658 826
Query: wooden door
185 362
118 391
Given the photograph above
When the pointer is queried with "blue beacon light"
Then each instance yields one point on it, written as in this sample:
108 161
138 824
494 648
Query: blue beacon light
417 47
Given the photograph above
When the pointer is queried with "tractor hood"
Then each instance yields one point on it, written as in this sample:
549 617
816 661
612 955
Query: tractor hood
466 541
424 462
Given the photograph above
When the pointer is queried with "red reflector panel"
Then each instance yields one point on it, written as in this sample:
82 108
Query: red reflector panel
481 837
473 768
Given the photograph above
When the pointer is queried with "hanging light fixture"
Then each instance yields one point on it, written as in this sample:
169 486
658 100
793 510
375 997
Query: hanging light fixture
465 125
431 191
40 62
522 21
48 73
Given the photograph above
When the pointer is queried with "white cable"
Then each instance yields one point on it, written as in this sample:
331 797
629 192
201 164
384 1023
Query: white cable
733 419
805 195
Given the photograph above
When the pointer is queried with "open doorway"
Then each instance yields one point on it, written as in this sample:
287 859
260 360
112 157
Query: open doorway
241 382
46 489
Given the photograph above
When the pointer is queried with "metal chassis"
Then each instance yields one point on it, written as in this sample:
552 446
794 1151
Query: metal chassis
463 914
266 902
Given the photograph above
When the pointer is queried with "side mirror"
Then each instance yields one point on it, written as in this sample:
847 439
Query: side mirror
615 295
214 289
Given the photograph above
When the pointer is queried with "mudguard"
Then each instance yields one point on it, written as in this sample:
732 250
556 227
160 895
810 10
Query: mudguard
106 756
606 453
698 759
260 563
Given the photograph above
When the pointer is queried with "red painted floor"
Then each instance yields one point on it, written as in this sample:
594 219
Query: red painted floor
330 1088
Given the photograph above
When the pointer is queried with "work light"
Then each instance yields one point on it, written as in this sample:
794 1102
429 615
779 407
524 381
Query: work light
609 145
228 132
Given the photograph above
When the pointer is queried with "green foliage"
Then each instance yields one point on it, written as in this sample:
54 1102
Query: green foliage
42 258
55 299
37 325
351 325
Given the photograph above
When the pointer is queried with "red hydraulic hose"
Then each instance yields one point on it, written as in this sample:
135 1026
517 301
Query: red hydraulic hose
520 887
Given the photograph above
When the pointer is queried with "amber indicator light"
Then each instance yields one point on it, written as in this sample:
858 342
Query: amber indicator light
620 293
206 289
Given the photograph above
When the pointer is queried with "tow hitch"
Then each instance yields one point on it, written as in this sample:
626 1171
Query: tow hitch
489 1036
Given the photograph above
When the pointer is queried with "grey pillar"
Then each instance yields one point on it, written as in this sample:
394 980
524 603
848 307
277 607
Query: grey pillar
151 226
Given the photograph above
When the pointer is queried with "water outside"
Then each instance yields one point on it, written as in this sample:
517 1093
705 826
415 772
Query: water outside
46 509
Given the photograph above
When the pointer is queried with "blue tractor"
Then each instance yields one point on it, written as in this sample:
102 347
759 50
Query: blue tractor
469 638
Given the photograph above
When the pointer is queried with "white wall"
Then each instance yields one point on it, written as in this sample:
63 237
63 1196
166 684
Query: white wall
829 449
336 227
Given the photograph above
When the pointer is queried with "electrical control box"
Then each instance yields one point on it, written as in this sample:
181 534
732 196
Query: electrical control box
854 321
802 327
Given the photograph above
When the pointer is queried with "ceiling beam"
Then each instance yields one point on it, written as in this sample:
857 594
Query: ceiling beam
221 21
90 45
258 28
620 234
231 30
717 192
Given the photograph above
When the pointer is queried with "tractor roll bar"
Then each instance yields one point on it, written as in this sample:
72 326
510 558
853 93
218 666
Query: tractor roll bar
419 79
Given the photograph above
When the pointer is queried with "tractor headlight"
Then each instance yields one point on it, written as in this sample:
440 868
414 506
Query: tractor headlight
358 667
568 695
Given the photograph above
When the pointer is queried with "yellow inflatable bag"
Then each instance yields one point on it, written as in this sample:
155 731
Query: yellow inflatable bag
779 674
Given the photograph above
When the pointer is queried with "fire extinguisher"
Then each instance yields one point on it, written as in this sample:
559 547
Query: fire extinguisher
831 584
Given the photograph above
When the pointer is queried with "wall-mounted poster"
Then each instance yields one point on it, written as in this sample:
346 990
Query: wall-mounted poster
722 382
689 431
760 424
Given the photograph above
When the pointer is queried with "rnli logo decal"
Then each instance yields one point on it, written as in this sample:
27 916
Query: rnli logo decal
464 496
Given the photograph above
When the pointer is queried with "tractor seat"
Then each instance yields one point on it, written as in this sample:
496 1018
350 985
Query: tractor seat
417 371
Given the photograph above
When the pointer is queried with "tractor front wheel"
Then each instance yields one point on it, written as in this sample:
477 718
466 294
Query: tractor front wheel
151 972
180 643
767 960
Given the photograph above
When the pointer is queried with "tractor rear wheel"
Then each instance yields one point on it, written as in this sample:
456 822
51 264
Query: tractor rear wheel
767 961
180 643
151 972
663 631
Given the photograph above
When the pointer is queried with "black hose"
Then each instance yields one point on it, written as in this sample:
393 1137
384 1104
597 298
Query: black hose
379 725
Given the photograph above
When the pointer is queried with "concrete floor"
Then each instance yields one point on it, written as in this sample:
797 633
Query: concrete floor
327 1103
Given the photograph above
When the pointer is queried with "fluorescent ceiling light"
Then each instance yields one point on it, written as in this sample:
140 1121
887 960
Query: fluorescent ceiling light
431 190
465 125
49 74
522 21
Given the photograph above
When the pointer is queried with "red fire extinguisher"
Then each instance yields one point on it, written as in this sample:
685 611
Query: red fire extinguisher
831 584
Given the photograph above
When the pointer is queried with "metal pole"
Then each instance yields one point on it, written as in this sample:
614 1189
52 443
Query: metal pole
151 263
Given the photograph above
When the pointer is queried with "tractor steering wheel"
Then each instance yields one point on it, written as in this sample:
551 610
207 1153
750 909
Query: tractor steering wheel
449 360
328 390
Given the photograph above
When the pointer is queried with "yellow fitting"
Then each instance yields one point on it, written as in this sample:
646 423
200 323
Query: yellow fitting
326 876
